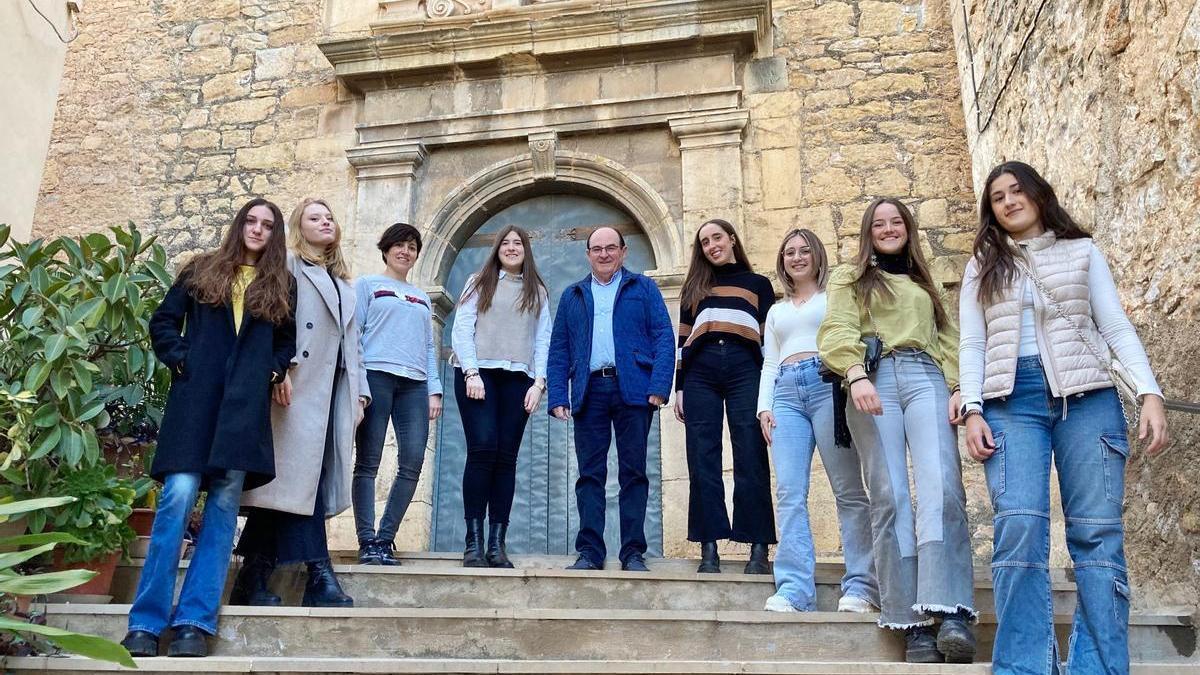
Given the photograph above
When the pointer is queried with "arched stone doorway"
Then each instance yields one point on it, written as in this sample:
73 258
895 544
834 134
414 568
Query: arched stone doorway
544 518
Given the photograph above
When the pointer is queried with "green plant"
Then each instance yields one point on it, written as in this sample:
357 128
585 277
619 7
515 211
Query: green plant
13 584
98 517
74 317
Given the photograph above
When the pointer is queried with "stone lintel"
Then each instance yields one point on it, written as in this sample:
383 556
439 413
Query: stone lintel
566 119
387 160
545 30
542 147
709 131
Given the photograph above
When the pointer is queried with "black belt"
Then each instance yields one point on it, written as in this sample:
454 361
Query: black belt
606 371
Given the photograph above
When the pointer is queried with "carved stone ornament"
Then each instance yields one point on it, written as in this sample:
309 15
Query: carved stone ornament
542 147
436 9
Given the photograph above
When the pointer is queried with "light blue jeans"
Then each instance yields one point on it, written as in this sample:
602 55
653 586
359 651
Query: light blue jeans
923 557
1085 437
204 582
803 412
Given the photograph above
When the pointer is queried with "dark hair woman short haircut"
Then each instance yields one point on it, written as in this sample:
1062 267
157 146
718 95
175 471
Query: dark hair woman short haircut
994 257
398 233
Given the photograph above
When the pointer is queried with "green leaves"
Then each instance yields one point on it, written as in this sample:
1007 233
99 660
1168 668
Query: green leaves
85 645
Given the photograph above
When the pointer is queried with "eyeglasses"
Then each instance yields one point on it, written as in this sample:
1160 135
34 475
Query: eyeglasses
611 249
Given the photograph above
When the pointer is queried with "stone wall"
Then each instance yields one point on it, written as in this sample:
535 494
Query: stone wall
174 112
1104 98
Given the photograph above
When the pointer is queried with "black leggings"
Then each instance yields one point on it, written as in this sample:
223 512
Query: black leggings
494 428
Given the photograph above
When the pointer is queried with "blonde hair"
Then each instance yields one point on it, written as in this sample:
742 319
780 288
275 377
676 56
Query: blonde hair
331 258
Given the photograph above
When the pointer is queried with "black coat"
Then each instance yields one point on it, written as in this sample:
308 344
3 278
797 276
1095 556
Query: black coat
218 413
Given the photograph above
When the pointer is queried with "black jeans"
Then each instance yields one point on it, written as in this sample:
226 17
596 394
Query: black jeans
406 403
723 378
494 428
603 411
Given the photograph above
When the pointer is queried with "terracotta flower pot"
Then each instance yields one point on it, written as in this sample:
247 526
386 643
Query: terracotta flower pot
142 521
100 584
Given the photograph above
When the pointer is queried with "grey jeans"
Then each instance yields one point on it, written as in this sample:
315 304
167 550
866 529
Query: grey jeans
922 559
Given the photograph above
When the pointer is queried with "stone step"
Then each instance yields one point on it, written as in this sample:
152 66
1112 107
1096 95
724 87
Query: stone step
528 587
577 634
307 666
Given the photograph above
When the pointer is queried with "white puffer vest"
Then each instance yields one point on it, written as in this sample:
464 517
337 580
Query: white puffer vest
1070 366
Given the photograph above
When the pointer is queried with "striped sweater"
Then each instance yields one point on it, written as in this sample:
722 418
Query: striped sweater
735 308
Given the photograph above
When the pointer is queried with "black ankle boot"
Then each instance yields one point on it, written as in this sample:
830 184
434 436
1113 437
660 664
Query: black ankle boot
497 556
250 586
322 588
758 560
710 562
920 645
473 551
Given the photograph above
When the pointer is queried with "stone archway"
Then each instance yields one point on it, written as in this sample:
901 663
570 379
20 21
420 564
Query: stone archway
506 182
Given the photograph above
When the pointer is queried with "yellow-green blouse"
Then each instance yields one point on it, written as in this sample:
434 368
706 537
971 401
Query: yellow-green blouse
245 276
903 321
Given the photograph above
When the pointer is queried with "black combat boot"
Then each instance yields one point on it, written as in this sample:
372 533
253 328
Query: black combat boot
250 586
758 560
497 556
322 588
473 553
710 562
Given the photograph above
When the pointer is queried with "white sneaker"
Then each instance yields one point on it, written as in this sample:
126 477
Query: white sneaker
778 603
853 603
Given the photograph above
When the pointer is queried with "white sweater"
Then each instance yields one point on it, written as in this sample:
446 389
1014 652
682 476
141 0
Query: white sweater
790 330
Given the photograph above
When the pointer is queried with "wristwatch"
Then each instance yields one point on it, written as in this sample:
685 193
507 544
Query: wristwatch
540 385
468 374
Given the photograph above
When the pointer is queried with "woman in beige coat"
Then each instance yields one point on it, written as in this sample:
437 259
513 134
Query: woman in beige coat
315 411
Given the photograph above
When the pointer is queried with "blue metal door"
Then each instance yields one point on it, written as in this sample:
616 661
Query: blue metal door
544 518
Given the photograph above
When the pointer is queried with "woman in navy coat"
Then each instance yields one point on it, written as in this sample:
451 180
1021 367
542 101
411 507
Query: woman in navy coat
227 332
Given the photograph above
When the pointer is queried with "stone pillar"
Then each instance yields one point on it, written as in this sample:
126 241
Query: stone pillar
386 176
711 149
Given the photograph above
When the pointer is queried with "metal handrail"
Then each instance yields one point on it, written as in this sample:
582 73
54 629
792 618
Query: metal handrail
1183 406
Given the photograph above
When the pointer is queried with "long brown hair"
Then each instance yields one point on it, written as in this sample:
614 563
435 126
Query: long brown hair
701 272
533 289
819 259
870 282
331 258
210 275
992 252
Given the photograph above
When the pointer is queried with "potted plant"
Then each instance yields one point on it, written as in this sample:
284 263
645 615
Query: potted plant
97 519
20 633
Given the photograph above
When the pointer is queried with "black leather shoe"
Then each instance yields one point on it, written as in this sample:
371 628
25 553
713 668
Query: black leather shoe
188 641
322 588
920 645
758 560
140 643
955 640
584 563
635 563
368 552
384 550
710 562
473 549
497 555
250 586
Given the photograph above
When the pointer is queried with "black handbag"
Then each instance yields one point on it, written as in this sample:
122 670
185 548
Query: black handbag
871 357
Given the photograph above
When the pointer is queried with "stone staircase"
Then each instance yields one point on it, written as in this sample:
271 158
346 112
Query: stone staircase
430 615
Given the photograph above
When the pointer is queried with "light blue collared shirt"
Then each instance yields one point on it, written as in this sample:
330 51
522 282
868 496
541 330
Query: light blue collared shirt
604 297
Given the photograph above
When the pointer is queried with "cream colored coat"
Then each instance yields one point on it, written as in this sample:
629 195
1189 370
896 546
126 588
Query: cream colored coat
299 430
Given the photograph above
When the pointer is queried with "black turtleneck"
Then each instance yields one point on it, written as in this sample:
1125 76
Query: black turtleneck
894 263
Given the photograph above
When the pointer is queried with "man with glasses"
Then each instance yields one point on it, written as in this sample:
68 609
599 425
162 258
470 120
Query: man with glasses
612 360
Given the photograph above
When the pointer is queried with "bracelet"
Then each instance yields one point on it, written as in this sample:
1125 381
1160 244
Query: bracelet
972 411
470 375
860 378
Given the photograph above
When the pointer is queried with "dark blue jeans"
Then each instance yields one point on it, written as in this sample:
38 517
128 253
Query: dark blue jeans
1085 438
406 403
603 411
722 381
493 428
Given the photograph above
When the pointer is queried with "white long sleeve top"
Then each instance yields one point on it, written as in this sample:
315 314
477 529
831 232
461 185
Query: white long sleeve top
789 330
